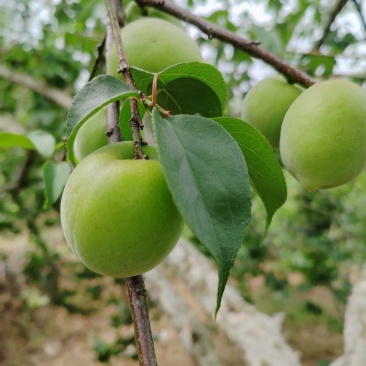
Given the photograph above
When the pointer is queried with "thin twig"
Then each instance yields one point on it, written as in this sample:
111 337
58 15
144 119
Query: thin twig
124 68
113 129
337 9
214 31
359 11
141 322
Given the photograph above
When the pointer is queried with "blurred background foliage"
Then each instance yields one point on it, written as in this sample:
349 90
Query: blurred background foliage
316 239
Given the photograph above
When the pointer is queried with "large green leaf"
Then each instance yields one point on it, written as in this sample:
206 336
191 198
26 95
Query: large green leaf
91 98
188 88
264 170
207 175
55 176
38 140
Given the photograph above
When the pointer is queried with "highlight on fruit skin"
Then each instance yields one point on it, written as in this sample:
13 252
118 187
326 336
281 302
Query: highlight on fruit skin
117 213
323 135
153 45
266 104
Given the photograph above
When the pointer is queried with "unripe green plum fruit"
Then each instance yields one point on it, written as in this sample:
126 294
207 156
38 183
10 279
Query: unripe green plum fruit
266 104
134 12
117 213
153 45
91 135
323 135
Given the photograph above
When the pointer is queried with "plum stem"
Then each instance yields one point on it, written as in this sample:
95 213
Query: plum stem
212 30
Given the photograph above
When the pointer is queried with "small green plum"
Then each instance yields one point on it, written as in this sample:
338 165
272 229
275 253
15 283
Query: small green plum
91 135
266 104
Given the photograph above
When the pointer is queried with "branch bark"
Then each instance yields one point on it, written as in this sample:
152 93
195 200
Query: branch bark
292 74
59 97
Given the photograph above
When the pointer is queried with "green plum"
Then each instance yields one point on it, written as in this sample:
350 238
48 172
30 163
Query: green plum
134 12
266 104
91 135
153 45
117 213
323 135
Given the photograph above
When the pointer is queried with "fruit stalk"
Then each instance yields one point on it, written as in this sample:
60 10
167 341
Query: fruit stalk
141 322
292 74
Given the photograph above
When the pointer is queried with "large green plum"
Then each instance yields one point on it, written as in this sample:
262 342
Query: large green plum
153 45
117 213
266 104
323 135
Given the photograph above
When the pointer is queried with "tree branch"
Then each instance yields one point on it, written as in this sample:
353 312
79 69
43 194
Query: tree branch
214 31
59 97
337 9
135 285
124 68
359 11
141 322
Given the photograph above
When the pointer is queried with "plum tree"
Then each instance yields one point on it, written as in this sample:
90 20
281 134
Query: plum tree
323 135
153 45
266 104
91 136
134 12
117 213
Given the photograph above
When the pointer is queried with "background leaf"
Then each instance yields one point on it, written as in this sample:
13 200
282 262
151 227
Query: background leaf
91 98
264 170
194 151
38 140
55 177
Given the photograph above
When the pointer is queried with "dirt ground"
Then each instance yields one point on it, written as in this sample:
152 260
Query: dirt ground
33 332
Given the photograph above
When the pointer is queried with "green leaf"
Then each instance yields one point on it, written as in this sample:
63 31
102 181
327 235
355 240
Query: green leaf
190 88
38 140
91 98
264 170
124 119
207 175
44 142
55 176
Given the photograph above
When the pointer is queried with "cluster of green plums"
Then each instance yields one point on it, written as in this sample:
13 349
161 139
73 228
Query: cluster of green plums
320 131
117 213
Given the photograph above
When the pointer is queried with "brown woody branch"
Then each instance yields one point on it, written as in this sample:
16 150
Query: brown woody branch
214 31
61 98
